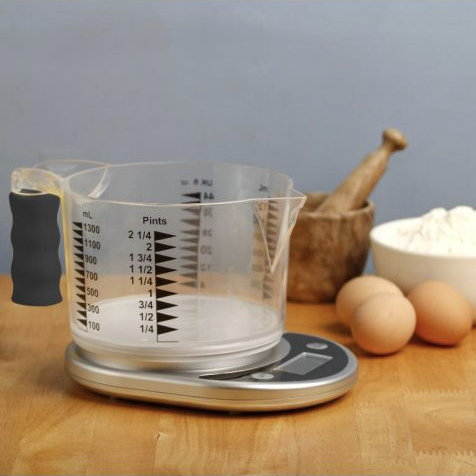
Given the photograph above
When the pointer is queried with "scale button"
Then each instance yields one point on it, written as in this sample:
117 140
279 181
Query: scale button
262 376
316 346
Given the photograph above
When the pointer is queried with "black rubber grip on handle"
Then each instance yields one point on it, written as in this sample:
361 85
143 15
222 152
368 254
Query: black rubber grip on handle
36 268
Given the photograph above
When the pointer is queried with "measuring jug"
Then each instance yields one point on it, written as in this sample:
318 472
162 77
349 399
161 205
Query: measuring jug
169 265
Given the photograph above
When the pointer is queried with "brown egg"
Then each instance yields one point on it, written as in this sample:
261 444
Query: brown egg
444 315
383 323
357 290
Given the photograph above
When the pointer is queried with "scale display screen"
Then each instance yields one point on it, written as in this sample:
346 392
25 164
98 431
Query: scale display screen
303 363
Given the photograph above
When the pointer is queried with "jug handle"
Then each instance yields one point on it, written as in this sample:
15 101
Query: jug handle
35 236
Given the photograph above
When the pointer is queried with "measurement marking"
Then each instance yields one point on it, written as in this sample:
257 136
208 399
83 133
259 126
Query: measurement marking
191 241
159 236
162 247
196 195
161 293
193 222
193 210
193 258
162 270
193 267
162 258
164 330
193 249
164 317
191 284
160 282
191 232
79 268
271 239
164 305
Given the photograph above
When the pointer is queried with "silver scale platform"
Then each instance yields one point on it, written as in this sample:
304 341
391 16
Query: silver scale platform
306 370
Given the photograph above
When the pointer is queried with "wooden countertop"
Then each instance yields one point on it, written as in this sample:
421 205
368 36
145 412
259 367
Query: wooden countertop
413 413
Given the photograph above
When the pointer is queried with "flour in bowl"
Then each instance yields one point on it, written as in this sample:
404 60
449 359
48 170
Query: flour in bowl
440 231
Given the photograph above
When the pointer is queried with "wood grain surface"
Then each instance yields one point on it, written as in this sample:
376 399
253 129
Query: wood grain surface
412 413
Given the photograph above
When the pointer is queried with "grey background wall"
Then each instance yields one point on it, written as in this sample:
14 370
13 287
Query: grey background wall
302 87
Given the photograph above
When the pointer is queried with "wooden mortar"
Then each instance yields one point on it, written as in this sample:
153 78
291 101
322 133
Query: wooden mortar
330 241
327 250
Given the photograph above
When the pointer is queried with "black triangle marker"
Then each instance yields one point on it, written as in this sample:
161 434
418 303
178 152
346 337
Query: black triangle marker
78 232
191 284
191 258
162 281
197 195
193 249
81 296
190 275
163 317
79 248
79 255
194 210
158 235
164 329
191 240
83 313
160 293
161 247
78 240
80 271
191 232
82 304
162 270
79 263
193 267
81 288
162 258
84 322
78 224
80 280
159 305
191 221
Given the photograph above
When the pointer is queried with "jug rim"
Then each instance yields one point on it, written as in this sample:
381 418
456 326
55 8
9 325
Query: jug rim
294 194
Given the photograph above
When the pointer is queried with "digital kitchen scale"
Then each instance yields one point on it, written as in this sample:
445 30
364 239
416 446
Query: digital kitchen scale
301 371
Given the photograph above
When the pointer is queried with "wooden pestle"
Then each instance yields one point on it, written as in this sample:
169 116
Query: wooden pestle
352 193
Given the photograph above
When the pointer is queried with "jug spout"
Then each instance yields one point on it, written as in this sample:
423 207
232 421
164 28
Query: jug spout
276 219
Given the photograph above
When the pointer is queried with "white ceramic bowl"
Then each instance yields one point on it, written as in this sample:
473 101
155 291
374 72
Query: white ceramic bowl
408 268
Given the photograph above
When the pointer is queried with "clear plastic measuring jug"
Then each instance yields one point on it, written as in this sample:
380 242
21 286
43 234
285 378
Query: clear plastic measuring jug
168 265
